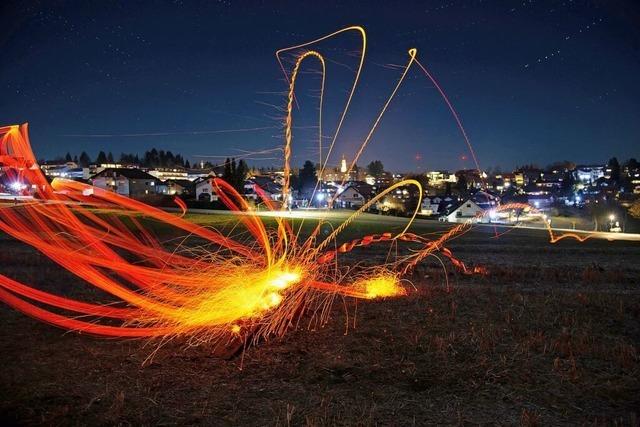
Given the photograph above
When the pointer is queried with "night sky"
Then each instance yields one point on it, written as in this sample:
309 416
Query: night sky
533 81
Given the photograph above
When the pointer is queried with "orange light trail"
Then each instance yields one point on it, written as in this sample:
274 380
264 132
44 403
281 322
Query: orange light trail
260 282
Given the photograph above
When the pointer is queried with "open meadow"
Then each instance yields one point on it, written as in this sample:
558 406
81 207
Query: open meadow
551 335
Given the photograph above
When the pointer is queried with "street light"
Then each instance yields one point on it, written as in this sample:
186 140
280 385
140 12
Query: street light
612 217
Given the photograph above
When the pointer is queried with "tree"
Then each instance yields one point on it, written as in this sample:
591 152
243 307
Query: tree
68 158
151 158
375 168
85 160
110 158
241 175
235 174
307 178
562 165
568 182
102 158
421 178
414 194
187 164
632 164
615 169
233 171
129 159
226 174
462 185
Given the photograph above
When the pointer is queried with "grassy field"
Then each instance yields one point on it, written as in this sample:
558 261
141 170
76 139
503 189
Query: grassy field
550 336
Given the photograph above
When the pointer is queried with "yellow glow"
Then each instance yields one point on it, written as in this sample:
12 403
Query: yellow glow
285 279
247 295
273 299
382 286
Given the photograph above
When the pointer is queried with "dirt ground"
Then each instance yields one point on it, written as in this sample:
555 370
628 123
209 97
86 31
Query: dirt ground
550 336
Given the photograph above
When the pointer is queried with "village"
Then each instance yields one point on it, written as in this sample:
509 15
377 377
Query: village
564 195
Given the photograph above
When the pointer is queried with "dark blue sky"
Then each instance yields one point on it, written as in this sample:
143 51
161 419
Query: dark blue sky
534 81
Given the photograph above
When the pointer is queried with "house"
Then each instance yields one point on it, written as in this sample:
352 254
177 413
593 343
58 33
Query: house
485 199
440 178
430 205
549 185
266 184
355 195
204 189
468 210
530 175
180 187
587 174
68 170
434 205
380 182
474 178
125 181
164 174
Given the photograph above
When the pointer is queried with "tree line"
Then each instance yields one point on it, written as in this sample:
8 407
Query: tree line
153 158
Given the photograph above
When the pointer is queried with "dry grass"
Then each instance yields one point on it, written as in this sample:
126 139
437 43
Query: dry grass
551 336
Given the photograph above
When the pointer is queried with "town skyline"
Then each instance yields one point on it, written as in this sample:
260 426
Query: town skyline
104 156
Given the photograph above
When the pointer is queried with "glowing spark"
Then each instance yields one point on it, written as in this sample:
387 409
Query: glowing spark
379 287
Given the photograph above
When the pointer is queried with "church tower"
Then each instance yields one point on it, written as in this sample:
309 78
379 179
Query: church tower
343 165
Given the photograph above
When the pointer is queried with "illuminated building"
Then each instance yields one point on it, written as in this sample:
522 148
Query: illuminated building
269 188
473 177
519 178
204 189
338 174
355 195
385 180
588 174
164 174
526 176
180 187
125 181
69 170
440 178
467 211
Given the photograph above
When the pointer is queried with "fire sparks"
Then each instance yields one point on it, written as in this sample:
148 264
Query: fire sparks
383 286
257 284
224 286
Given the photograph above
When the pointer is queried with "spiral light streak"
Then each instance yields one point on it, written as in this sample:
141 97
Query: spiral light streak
249 286
354 85
288 134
